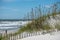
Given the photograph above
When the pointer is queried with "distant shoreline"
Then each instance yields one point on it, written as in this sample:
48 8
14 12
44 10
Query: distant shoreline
15 19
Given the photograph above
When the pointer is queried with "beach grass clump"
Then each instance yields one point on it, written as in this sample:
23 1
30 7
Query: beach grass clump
57 27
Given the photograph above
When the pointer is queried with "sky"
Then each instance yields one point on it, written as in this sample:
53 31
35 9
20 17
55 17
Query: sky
17 9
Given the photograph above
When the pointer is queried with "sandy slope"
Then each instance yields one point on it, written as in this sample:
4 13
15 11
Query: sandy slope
54 36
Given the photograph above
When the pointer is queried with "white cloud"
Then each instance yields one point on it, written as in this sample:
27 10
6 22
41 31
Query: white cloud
47 6
15 10
27 0
4 8
16 0
12 9
8 0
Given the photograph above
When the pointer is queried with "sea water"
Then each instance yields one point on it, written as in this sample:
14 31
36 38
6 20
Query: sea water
11 26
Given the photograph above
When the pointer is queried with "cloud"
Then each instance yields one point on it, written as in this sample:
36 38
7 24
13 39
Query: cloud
48 6
15 10
4 8
12 9
8 0
27 0
16 0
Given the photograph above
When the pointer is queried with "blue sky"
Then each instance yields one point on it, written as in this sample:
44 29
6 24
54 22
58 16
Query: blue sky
17 9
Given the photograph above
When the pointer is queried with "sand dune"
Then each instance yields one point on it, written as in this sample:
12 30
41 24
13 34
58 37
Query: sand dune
54 36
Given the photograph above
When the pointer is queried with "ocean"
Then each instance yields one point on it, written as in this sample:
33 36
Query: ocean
11 26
